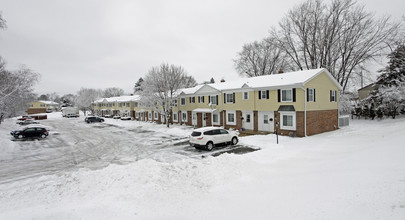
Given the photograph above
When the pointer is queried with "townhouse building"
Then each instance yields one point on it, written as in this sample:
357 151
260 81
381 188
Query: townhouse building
298 103
125 106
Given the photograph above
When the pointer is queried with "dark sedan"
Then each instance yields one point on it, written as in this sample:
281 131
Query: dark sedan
92 119
30 133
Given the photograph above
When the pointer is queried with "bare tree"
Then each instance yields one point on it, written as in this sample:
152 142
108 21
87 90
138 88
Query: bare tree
340 36
2 22
16 90
86 97
161 85
259 58
112 92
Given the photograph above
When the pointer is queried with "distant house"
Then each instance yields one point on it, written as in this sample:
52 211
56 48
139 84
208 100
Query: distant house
366 90
120 106
42 107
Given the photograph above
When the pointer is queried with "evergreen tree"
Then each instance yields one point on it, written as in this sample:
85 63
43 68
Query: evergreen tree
138 85
390 91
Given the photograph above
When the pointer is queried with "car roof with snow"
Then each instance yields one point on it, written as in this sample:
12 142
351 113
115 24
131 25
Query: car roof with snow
206 129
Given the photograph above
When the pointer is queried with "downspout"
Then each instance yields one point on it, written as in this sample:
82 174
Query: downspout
305 111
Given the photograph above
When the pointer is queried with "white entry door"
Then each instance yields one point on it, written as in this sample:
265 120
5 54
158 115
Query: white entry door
247 122
266 121
194 121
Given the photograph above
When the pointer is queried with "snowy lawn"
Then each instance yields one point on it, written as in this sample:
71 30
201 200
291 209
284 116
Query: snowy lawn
357 172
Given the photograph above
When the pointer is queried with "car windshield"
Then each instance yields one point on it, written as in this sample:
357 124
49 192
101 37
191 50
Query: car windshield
195 134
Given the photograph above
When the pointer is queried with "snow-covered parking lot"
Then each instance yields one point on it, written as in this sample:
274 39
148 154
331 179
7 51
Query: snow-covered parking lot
107 171
74 144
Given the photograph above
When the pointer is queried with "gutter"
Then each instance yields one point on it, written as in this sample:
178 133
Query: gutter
305 111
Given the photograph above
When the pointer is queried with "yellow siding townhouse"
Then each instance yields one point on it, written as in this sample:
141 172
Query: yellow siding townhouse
298 103
42 107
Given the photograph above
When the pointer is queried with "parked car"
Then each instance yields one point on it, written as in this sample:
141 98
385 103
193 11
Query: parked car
30 133
209 137
108 116
27 122
25 117
72 115
117 117
126 118
92 119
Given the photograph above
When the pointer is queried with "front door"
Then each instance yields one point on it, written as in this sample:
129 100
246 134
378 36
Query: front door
194 120
247 122
266 121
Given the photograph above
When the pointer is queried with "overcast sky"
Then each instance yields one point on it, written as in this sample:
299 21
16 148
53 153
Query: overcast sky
111 43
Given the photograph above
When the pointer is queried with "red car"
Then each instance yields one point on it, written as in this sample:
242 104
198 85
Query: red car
25 117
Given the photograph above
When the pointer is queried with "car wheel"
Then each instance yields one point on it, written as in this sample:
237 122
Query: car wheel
209 146
43 136
234 140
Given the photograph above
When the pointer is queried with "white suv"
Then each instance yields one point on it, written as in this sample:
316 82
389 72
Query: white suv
208 137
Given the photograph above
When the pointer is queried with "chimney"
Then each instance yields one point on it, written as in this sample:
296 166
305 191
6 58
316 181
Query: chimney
222 80
280 71
132 94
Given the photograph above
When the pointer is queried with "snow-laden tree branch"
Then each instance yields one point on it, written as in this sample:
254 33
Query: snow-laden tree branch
161 85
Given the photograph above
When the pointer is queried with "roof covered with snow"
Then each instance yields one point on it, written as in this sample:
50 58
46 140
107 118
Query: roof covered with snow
290 79
48 102
129 98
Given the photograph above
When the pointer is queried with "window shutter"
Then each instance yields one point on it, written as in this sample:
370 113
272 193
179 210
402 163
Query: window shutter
216 101
278 95
294 94
189 99
336 94
314 96
209 99
199 98
224 97
202 99
267 94
233 97
330 95
307 94
260 94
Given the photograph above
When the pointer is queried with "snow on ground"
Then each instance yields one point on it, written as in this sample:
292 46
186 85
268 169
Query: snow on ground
356 172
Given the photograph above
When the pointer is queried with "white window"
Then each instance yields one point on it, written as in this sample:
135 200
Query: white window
263 94
333 95
215 118
214 100
136 114
230 118
192 99
248 118
184 116
174 103
311 95
127 104
201 99
286 95
175 116
245 95
229 98
150 116
120 104
288 120
183 101
265 119
156 115
136 105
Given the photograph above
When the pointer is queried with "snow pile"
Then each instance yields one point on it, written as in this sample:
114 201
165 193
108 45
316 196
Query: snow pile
357 172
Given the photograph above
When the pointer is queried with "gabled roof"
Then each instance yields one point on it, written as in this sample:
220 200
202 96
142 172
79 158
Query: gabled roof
128 98
49 102
290 79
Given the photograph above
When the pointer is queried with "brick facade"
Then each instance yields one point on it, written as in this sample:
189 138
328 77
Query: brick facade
36 110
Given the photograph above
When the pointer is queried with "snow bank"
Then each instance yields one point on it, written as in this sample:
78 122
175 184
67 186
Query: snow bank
357 172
